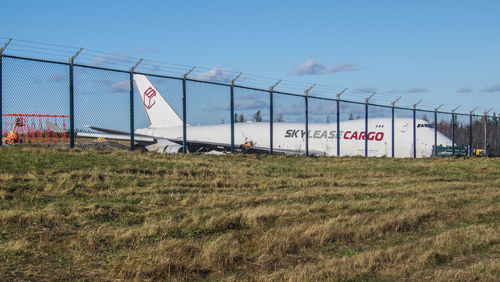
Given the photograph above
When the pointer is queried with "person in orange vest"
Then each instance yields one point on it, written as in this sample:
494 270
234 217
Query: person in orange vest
13 137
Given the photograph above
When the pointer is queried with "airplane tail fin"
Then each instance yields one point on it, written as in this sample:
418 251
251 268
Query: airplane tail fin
158 111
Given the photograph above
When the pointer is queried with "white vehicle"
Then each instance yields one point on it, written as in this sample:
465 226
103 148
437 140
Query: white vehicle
164 133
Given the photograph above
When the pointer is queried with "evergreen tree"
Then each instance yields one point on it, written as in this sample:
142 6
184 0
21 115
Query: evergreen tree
257 117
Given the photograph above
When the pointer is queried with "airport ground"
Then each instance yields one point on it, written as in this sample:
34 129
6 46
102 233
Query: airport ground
107 215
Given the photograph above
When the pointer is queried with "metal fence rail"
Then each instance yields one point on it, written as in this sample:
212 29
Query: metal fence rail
100 96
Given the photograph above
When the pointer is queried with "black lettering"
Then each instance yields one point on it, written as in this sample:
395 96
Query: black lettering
288 133
324 134
331 134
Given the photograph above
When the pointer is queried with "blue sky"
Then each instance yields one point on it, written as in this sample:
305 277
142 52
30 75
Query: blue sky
439 51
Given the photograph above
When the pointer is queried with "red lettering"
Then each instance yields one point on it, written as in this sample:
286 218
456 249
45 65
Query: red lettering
345 135
370 135
354 135
361 135
379 136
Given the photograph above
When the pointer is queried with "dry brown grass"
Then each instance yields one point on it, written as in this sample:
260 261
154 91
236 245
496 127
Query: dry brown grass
119 215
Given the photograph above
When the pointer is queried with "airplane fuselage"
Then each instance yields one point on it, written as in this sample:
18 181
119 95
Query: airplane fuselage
322 139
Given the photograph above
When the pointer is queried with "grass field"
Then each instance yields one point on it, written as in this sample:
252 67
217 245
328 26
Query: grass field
109 215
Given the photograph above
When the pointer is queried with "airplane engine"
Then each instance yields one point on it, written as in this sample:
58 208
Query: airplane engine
165 148
172 149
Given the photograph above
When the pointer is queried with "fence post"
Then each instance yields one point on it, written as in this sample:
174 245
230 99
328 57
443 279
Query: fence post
132 143
453 130
184 138
436 129
271 116
72 101
366 123
486 132
470 131
415 129
1 87
338 121
485 136
498 140
392 125
470 134
232 110
306 96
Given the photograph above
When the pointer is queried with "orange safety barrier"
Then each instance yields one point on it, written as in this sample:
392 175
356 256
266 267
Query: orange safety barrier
35 128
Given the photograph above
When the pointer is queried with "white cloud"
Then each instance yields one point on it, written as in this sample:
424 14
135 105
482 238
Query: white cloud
411 90
216 74
121 86
251 96
148 50
115 87
464 90
493 88
323 109
365 90
109 59
57 77
394 91
314 67
245 105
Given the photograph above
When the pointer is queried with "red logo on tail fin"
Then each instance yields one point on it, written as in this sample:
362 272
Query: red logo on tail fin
150 93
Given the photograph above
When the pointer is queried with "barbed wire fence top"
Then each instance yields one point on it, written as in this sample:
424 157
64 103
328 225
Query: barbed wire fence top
38 80
106 60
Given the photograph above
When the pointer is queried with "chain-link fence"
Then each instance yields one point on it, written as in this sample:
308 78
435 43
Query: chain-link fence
88 105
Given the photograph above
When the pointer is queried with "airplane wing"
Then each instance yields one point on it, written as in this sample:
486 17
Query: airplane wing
160 144
118 132
154 143
193 145
114 136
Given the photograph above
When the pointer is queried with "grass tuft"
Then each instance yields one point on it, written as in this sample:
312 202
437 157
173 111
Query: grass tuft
119 215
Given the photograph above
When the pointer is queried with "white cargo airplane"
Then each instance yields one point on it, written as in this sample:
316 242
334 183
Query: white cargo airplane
164 133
